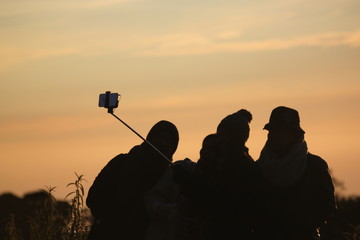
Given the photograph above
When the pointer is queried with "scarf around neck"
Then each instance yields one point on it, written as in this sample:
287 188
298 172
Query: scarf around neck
285 171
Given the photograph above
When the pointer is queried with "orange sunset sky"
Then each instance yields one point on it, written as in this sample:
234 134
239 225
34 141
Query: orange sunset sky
189 62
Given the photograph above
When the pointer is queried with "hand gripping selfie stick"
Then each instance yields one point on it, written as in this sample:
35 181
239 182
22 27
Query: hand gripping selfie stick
110 101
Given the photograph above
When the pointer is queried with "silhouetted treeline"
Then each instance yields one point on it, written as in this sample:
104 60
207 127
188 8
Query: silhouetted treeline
30 208
39 216
28 212
345 224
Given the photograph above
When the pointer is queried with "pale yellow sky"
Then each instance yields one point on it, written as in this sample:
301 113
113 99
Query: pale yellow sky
190 62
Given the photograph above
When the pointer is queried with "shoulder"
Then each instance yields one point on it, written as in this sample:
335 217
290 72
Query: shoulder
186 163
111 168
117 161
317 162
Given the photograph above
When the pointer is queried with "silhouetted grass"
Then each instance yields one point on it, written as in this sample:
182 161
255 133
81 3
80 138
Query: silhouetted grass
13 233
50 219
76 225
49 223
354 235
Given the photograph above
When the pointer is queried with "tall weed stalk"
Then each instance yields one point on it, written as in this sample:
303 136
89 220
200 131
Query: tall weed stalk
49 223
77 227
43 226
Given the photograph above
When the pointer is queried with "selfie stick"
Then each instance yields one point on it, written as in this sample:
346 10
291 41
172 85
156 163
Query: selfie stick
111 111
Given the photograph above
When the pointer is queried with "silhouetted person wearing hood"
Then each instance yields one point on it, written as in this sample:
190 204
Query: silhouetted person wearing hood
223 187
231 209
299 193
116 198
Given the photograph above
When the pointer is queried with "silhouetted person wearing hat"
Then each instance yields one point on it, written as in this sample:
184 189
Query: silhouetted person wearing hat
299 193
116 198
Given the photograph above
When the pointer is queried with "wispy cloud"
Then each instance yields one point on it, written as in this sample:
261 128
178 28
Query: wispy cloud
43 127
103 3
12 55
169 45
18 7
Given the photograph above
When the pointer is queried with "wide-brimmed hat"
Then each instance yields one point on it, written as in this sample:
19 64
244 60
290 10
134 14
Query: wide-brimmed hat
284 117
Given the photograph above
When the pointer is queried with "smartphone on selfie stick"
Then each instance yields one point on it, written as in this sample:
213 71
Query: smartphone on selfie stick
110 101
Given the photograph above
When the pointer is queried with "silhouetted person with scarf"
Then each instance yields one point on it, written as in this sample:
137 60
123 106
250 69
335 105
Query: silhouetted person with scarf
298 190
116 198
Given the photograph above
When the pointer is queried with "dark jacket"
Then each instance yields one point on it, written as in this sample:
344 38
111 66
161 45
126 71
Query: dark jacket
223 195
230 200
297 211
116 198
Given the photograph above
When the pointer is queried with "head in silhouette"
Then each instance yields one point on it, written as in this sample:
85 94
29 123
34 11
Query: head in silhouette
233 131
284 130
208 155
165 137
209 146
